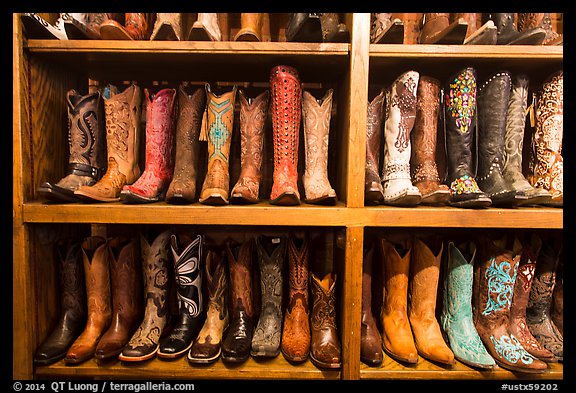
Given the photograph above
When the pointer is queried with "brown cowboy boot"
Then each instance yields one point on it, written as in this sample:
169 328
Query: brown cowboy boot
316 115
332 29
168 27
386 30
96 255
426 259
370 338
325 348
205 28
136 27
127 300
412 25
483 35
296 332
251 27
557 312
123 133
182 189
207 346
252 120
531 20
437 29
397 339
423 136
373 191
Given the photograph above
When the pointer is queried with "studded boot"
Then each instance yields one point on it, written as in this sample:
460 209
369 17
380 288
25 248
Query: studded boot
386 30
373 191
437 29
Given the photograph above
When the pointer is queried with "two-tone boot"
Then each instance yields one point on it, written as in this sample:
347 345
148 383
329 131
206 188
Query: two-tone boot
386 30
438 29
136 27
87 147
168 27
508 34
304 27
483 35
81 26
205 28
207 346
72 305
160 118
325 348
40 27
373 191
250 27
316 115
96 257
530 20
332 29
253 113
143 344
370 338
182 188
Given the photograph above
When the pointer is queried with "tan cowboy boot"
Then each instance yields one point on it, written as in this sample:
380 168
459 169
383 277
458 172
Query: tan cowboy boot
251 27
168 27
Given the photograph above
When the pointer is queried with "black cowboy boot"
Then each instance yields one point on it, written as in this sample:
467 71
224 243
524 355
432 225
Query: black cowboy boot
507 34
304 27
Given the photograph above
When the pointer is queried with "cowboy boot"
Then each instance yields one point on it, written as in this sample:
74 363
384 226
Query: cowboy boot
412 25
332 29
182 189
37 26
509 35
546 164
304 27
513 141
531 20
205 28
494 277
493 99
86 141
370 339
167 27
123 130
373 191
459 124
437 29
253 114
207 346
72 305
219 129
557 312
423 137
400 116
96 255
127 300
187 258
136 27
152 184
483 35
250 27
286 115
325 348
397 339
456 316
295 344
238 341
83 26
143 344
422 307
539 305
524 278
316 114
386 30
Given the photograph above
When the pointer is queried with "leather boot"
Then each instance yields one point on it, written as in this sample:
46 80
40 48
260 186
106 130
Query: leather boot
87 144
530 20
207 346
205 28
539 305
483 35
219 129
373 191
38 27
524 278
332 29
513 145
143 344
267 335
136 27
422 306
400 116
123 133
437 29
370 339
152 184
494 277
286 116
412 26
95 255
316 114
397 339
168 27
296 331
250 27
546 164
187 257
84 26
493 98
72 305
459 125
127 300
182 189
238 341
253 113
304 27
456 316
325 348
423 137
386 30
509 35
557 312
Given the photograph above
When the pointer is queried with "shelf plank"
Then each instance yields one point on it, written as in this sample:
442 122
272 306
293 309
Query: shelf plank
429 51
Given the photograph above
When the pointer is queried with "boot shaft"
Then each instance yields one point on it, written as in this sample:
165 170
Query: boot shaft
396 264
323 292
126 277
374 134
72 282
219 124
96 258
253 113
524 277
190 110
457 300
317 114
187 255
540 299
271 255
424 277
515 124
298 253
217 283
155 267
241 287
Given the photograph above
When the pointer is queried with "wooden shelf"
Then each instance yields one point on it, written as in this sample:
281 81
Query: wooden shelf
532 52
